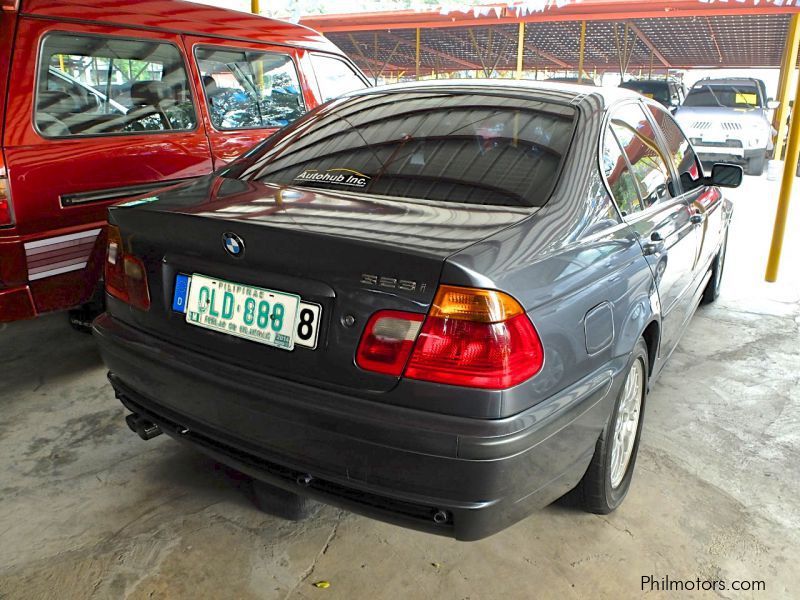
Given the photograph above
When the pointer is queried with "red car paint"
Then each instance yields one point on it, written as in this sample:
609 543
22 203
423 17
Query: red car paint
51 253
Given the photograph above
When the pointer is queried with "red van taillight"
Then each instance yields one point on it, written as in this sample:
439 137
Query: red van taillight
470 337
6 212
125 276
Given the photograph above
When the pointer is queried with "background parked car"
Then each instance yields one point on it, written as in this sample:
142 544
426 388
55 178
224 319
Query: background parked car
439 304
580 81
667 92
98 104
729 120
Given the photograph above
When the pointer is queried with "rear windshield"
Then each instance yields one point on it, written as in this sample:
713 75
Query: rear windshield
652 89
459 147
727 96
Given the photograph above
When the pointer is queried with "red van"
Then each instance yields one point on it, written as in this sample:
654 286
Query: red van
101 100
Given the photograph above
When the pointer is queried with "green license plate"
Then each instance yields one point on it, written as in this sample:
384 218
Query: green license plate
248 312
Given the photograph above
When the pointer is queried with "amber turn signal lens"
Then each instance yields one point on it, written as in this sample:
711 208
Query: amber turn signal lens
470 304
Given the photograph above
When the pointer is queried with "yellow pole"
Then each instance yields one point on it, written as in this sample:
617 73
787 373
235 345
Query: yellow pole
61 63
254 7
417 55
581 51
520 49
789 169
782 74
787 72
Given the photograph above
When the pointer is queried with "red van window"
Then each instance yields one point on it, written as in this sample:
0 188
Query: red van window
334 76
248 89
90 85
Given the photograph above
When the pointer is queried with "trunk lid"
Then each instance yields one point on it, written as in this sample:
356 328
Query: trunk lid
350 253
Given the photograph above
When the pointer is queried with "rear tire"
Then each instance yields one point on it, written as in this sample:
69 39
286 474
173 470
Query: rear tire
608 478
755 166
714 284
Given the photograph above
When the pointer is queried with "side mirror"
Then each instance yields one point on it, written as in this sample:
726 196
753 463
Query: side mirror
772 104
725 175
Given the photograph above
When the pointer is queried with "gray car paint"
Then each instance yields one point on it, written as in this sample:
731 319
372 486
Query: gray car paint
577 267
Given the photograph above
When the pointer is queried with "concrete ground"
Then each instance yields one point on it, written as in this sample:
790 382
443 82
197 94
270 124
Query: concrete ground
88 510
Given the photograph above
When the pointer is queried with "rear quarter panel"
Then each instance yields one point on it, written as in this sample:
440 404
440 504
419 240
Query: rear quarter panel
572 256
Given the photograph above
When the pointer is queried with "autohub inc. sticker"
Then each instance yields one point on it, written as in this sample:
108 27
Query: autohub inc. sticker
343 177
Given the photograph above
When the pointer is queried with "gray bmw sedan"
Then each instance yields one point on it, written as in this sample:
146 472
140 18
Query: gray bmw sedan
439 304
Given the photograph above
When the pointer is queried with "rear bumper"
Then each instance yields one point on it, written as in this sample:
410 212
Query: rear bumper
388 462
16 304
719 154
49 271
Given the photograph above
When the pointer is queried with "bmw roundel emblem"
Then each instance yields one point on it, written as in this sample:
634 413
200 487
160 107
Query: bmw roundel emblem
234 245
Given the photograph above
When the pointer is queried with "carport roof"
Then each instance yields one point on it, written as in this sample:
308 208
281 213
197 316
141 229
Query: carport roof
634 34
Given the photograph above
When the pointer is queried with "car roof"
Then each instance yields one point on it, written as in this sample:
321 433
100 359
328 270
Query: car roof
648 82
182 17
564 92
728 81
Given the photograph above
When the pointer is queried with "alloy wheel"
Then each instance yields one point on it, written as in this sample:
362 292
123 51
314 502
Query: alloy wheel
626 423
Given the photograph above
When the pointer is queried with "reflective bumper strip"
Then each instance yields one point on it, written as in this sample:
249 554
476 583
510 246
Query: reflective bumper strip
58 271
61 238
719 150
60 254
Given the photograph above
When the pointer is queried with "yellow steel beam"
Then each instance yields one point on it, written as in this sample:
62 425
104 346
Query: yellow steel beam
520 49
254 7
581 51
648 42
789 170
782 75
788 68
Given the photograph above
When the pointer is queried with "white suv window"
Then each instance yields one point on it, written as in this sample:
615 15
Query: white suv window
335 77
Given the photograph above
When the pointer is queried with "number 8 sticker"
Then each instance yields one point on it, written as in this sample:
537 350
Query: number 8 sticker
308 320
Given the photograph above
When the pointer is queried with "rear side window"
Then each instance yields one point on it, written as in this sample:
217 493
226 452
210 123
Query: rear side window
335 77
635 135
249 89
91 85
619 177
459 147
680 151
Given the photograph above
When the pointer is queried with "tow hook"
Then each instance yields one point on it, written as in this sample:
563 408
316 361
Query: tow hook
145 429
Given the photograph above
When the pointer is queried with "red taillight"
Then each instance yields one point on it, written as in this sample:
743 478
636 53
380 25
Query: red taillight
6 213
470 337
387 341
125 276
481 355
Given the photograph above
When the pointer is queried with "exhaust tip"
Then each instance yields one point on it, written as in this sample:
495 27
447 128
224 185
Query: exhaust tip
441 517
131 420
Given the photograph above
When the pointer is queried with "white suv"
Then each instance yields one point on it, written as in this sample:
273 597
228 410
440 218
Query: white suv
728 120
